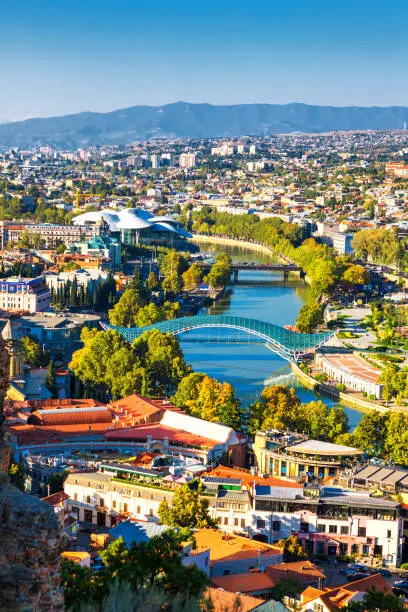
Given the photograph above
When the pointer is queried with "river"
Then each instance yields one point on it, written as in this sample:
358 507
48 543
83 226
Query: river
239 358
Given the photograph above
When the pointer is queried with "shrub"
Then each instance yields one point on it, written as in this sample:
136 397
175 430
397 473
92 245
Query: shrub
341 387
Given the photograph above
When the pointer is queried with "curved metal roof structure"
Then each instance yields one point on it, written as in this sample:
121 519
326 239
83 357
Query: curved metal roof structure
288 344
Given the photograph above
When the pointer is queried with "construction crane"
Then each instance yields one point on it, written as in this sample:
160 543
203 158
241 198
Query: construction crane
78 195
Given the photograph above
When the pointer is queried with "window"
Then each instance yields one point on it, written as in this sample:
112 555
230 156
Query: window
88 499
260 524
219 520
276 525
388 533
236 522
304 527
242 522
151 512
227 572
362 532
125 507
75 496
101 501
321 528
225 520
138 510
366 549
332 528
344 529
114 504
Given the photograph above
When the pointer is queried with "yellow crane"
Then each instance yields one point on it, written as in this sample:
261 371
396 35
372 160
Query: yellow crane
78 195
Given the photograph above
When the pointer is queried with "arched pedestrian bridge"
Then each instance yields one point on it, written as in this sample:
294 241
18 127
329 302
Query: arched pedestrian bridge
288 344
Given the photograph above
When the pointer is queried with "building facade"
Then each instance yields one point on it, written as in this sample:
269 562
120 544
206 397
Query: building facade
24 294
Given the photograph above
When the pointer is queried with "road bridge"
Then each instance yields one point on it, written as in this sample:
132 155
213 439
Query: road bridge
286 343
284 267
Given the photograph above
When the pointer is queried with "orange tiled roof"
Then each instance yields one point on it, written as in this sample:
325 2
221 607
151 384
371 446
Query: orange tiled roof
301 570
72 416
338 597
159 432
38 434
248 479
55 498
232 547
244 583
223 600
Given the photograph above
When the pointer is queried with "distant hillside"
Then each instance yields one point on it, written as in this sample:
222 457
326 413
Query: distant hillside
185 120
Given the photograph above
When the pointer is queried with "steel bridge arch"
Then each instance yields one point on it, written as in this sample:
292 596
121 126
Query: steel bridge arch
286 343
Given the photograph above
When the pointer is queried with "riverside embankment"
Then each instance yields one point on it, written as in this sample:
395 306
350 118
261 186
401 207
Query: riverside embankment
241 359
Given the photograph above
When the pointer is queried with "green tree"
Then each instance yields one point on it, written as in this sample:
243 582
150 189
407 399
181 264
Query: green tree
153 282
370 433
292 549
34 353
187 510
162 355
396 441
51 380
309 317
277 408
192 277
173 283
356 275
124 313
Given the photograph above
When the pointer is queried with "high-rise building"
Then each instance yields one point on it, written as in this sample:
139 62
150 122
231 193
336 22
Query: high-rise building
252 150
167 159
187 160
155 159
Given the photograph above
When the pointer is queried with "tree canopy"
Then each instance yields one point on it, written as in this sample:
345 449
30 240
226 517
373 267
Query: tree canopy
187 510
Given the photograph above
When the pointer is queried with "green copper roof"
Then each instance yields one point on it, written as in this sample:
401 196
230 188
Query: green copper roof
285 342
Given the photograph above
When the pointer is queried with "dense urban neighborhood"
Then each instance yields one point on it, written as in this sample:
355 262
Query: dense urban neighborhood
141 470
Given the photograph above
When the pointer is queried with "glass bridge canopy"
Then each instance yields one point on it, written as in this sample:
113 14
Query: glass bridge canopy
288 343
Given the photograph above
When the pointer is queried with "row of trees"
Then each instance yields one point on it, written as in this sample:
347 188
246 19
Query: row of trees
280 408
383 435
324 268
152 365
379 246
71 294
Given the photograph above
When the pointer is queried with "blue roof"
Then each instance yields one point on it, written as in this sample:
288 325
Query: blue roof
137 531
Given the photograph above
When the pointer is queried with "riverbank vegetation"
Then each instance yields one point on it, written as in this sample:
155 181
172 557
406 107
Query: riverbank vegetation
323 267
280 408
381 435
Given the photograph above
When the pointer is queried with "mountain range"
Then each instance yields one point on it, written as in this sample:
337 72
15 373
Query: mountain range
187 120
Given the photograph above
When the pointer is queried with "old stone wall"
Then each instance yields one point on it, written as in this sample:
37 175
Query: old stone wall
30 545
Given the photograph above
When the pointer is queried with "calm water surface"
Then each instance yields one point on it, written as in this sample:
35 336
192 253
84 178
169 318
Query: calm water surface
239 358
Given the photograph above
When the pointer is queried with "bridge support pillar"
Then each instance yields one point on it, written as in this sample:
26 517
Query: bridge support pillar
285 275
236 275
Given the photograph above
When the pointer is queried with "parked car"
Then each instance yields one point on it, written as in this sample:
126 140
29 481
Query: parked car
397 590
358 576
402 584
383 571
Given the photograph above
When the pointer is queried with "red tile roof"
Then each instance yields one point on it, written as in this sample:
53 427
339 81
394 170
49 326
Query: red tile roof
71 416
160 432
56 498
245 583
248 479
223 600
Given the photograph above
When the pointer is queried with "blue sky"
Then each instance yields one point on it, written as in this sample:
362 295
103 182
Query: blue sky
63 56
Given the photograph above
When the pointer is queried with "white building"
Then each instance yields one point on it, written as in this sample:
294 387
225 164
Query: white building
24 294
155 161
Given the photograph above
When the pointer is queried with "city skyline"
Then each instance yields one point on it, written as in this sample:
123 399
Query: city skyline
61 58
